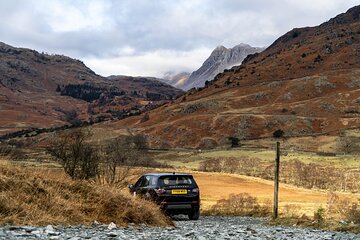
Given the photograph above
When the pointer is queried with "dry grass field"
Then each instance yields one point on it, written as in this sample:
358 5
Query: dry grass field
42 195
216 186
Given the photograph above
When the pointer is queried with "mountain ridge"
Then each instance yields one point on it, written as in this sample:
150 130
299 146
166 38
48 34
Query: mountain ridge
39 90
220 59
307 83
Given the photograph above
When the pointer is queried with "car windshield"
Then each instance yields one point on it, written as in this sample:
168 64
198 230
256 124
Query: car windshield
176 180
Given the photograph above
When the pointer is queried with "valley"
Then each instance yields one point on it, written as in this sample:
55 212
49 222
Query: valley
72 140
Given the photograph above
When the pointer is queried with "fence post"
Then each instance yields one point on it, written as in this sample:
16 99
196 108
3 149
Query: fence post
276 181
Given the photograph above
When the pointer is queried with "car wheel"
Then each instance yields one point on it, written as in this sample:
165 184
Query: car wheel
194 215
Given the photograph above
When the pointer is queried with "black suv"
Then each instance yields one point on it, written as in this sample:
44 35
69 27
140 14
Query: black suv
176 193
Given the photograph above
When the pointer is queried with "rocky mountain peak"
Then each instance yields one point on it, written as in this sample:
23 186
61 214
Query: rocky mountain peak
220 59
351 16
220 48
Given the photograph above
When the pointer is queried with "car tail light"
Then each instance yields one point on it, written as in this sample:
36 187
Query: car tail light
160 191
163 203
195 190
194 202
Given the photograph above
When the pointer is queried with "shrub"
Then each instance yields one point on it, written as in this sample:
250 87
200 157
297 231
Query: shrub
287 96
354 83
241 204
230 165
319 215
318 59
327 107
123 153
79 159
348 145
260 96
234 141
290 210
244 165
353 213
244 124
271 123
211 165
278 133
344 208
275 84
322 83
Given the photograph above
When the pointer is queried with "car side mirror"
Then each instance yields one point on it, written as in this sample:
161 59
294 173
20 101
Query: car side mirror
131 187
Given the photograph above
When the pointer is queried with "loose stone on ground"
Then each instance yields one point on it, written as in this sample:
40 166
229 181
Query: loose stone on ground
204 228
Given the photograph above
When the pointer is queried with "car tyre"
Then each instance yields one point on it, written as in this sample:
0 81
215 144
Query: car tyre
194 215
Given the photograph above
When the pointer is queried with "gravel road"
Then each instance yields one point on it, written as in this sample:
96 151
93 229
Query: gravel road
204 228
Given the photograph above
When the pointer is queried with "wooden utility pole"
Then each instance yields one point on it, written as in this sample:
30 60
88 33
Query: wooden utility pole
276 181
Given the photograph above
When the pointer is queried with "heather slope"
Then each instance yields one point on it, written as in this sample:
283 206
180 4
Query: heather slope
307 83
39 90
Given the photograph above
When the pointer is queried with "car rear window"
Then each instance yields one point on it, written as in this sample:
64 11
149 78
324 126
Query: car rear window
176 180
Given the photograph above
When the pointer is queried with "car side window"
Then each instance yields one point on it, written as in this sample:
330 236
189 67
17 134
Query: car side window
146 182
139 182
153 181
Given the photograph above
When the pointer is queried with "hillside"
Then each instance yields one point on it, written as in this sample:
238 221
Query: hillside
39 90
306 83
220 59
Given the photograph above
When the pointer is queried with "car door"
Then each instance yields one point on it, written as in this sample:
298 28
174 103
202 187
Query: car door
145 186
138 184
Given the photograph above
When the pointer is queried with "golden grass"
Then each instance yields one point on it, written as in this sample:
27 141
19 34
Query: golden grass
296 205
217 186
41 196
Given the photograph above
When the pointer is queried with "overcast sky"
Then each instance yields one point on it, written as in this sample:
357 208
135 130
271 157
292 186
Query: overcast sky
151 37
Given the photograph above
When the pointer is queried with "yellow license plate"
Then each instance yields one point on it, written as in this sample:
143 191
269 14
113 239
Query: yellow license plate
179 191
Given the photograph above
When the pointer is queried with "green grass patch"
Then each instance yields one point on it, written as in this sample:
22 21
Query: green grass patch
192 159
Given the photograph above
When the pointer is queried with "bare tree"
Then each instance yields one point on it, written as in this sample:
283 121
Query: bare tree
79 159
230 165
349 144
211 165
123 153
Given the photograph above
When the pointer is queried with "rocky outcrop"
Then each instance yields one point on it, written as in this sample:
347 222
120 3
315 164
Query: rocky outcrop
220 59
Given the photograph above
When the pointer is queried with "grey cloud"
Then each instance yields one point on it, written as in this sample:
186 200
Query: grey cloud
148 26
